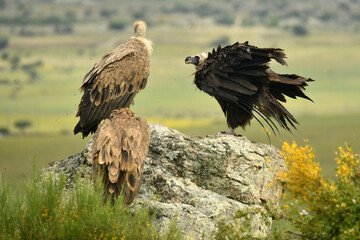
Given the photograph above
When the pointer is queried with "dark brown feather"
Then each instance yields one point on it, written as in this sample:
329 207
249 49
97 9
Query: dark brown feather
120 147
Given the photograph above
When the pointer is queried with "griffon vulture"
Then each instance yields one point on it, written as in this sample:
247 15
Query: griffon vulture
240 79
114 80
119 150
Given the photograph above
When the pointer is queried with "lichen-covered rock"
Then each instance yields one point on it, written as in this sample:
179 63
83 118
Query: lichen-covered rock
201 180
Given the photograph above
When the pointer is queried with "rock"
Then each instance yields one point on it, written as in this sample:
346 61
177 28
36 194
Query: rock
201 180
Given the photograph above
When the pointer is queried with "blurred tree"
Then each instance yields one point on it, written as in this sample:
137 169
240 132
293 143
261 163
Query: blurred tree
51 20
22 125
182 7
225 19
117 24
32 70
4 42
139 14
356 17
299 30
4 131
107 13
63 28
14 61
70 14
344 6
272 22
205 9
327 16
4 56
223 41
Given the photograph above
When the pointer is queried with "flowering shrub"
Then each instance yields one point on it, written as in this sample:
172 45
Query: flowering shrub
319 208
303 179
348 164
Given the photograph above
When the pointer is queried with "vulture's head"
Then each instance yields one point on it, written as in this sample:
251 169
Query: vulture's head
140 29
196 59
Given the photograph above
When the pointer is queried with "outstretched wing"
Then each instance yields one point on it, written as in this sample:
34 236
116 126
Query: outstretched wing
113 82
119 151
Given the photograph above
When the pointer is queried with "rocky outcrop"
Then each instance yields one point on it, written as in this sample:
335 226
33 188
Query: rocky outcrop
201 180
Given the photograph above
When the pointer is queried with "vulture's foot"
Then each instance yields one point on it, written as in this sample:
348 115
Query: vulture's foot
231 132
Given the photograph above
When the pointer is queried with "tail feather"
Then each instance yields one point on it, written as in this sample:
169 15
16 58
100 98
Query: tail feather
126 186
271 107
282 85
85 132
290 85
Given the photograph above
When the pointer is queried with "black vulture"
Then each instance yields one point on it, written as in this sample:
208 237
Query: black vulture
238 76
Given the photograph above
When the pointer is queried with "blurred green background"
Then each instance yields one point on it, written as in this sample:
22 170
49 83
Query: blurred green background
46 48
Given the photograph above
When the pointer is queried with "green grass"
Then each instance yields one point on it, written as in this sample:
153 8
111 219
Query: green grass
17 153
44 213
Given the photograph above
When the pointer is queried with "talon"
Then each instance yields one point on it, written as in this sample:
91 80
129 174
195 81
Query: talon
231 132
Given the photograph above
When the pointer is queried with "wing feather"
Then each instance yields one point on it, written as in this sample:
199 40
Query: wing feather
107 86
119 148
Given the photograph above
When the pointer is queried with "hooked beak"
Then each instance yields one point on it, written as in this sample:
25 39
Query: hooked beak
190 60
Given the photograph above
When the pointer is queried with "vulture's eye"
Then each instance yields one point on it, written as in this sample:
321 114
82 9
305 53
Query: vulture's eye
197 58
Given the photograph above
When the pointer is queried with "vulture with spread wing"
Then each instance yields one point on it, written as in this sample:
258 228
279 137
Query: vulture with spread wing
240 79
119 150
114 80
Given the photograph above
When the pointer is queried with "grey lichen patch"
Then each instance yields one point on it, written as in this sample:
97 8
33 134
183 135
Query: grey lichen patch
200 180
206 168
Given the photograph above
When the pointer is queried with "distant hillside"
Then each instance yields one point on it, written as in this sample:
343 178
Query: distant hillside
340 14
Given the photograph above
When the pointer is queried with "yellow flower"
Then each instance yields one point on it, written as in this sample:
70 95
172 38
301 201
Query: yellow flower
44 212
347 163
303 178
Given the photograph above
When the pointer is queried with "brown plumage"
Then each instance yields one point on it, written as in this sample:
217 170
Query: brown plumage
240 79
114 80
119 150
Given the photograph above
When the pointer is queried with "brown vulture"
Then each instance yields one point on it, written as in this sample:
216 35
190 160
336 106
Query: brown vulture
240 79
119 150
114 80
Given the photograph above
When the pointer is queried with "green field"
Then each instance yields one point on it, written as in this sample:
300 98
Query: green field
50 103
